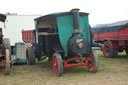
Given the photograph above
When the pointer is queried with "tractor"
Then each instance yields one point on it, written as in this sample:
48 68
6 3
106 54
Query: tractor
65 38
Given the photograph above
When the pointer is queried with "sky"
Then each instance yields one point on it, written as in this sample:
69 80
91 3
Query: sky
101 11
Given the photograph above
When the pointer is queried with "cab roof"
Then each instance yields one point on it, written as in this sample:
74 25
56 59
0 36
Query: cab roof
60 14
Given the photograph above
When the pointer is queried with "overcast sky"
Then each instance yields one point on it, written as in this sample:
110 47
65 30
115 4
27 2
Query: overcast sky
101 11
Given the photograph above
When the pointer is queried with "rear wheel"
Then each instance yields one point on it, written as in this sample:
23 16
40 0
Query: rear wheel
6 43
126 50
93 62
108 51
7 62
57 64
30 56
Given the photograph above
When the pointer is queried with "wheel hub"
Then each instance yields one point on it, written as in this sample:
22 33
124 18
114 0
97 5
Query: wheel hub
107 49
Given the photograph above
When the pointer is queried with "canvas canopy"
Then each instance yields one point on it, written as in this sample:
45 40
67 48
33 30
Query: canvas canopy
110 27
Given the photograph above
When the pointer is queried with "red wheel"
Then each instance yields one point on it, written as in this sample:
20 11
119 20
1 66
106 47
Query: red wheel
93 62
57 64
7 62
108 51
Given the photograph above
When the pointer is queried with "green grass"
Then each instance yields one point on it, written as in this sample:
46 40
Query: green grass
112 71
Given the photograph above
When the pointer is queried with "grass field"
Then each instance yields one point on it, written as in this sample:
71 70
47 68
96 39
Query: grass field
112 71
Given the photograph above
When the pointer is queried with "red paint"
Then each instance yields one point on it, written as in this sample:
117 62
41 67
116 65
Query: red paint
28 36
113 44
91 62
106 50
119 35
87 61
116 39
2 50
55 65
66 64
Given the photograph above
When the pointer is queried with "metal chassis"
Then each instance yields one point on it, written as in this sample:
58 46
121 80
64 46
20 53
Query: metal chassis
66 64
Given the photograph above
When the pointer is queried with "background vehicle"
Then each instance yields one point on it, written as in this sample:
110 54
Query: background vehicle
114 38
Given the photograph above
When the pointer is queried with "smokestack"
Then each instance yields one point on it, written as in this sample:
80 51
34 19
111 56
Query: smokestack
75 13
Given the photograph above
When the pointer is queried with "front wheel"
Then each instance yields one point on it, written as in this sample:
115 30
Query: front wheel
7 62
6 43
93 62
57 64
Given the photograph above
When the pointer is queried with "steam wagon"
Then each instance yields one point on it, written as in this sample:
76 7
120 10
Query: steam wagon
64 38
5 49
114 38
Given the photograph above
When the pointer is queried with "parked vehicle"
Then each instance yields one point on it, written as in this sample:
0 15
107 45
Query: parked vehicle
64 38
5 49
114 38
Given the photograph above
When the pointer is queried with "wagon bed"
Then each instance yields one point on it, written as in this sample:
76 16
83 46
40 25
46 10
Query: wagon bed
28 36
111 32
114 37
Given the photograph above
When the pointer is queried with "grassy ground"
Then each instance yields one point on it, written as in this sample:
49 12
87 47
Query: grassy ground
112 71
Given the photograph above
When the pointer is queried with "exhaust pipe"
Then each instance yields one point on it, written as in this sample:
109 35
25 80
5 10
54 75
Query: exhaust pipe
75 13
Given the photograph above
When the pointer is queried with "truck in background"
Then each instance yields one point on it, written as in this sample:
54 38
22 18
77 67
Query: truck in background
114 38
